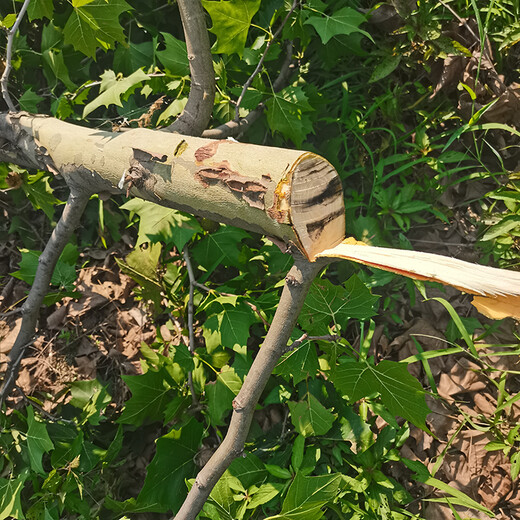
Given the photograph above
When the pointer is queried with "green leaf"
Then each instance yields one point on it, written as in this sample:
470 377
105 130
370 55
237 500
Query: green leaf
328 304
141 266
38 441
39 192
286 113
10 497
385 67
220 248
310 417
231 20
53 58
39 9
249 470
64 274
151 393
164 486
174 57
29 101
345 21
91 397
307 495
94 25
233 323
300 363
400 392
173 109
264 494
220 394
133 57
507 224
166 224
112 88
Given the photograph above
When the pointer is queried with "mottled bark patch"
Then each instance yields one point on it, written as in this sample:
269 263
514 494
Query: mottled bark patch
251 191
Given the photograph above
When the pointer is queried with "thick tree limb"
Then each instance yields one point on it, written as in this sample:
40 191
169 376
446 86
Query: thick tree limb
297 284
68 222
4 81
197 112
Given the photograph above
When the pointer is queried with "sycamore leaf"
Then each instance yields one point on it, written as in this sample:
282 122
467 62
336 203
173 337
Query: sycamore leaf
38 441
307 495
94 24
220 248
151 393
10 497
345 21
38 190
112 88
168 225
400 392
220 394
165 483
174 56
287 114
300 363
310 417
328 304
29 101
40 9
231 20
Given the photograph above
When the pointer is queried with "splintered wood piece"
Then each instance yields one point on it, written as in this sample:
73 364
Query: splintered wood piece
497 291
317 209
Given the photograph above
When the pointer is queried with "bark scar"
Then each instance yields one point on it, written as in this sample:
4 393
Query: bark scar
252 191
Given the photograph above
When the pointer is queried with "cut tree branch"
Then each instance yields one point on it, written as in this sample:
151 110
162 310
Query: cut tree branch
4 81
197 112
68 222
297 284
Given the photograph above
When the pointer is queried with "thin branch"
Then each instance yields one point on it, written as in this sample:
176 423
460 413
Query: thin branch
191 332
9 56
297 284
247 84
305 337
68 222
197 112
234 128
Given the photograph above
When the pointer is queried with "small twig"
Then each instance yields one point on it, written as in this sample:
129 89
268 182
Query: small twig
247 84
68 222
234 128
197 112
191 332
46 414
305 337
9 56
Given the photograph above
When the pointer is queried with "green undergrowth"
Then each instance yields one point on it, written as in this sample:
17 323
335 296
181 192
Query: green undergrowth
361 96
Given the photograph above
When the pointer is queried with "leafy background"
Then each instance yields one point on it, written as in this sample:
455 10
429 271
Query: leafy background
114 414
